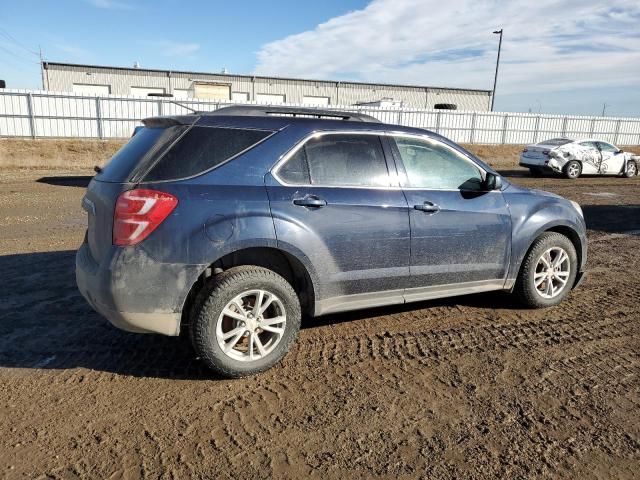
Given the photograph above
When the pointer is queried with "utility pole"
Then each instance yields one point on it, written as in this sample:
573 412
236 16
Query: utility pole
41 67
495 79
604 108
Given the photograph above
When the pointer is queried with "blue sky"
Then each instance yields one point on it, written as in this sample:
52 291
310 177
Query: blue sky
570 56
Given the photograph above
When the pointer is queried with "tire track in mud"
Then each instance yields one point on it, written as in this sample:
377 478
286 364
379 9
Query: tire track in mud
438 344
394 368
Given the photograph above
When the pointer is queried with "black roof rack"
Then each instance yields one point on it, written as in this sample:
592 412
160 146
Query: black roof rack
268 110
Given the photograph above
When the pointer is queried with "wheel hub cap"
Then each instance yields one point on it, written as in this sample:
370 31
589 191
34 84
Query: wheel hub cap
251 325
552 272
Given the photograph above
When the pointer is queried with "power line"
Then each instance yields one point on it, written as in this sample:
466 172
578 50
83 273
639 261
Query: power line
15 55
12 39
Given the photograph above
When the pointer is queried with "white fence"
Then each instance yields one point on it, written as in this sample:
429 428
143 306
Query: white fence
36 114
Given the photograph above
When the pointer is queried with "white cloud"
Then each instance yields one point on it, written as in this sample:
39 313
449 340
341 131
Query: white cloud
548 46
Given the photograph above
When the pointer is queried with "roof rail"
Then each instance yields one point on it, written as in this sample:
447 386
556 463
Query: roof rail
269 110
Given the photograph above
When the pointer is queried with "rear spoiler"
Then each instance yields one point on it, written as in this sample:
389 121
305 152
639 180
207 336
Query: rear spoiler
164 122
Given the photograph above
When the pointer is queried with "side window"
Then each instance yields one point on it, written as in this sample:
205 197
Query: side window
203 148
430 164
589 145
338 160
607 147
296 169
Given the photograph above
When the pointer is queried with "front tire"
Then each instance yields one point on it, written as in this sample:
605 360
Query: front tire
244 321
573 169
632 169
548 271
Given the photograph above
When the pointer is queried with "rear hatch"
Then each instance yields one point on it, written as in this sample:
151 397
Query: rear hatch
167 149
120 174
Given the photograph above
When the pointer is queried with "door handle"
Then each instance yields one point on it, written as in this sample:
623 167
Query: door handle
427 207
312 201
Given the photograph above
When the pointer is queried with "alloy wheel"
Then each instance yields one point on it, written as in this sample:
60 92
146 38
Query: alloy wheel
251 325
552 272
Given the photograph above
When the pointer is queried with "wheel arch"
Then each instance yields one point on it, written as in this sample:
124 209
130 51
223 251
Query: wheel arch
567 230
282 262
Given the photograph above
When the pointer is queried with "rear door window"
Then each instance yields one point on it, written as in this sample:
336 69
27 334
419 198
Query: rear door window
338 160
201 149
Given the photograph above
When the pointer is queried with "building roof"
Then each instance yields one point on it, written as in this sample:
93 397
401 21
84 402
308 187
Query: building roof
46 65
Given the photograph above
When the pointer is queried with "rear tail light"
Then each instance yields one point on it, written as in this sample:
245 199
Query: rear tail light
545 152
138 213
525 150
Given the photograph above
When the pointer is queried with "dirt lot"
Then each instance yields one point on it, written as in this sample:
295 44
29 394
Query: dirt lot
470 387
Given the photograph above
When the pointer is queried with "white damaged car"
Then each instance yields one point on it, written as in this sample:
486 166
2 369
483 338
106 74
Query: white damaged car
576 157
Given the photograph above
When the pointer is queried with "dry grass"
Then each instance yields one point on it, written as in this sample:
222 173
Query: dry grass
68 154
72 154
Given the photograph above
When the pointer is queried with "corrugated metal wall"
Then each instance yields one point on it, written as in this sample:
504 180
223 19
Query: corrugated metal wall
62 77
26 113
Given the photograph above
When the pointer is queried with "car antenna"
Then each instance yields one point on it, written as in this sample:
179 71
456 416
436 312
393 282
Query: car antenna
183 106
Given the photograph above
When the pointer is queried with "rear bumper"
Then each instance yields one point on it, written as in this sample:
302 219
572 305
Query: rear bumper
549 165
134 292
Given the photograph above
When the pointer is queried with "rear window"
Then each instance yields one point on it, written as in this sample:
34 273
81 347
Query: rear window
555 142
201 149
144 146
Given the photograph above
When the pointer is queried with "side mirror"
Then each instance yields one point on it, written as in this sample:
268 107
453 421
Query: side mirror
493 181
620 151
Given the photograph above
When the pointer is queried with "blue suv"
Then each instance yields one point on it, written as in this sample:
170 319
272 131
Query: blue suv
233 225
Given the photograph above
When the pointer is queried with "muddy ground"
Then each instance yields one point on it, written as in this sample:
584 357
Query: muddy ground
470 387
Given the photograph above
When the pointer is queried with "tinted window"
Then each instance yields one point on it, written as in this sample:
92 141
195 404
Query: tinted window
430 164
589 145
607 147
296 169
556 142
201 149
143 147
338 160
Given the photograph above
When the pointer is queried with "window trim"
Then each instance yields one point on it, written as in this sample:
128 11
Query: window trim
393 164
402 171
393 178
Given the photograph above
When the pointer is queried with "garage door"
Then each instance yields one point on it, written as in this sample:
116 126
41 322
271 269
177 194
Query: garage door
212 91
311 100
269 98
240 96
145 91
180 93
85 88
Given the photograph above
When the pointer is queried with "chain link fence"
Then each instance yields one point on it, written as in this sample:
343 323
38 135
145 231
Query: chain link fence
40 114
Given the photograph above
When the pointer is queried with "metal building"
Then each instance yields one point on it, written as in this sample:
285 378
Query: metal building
67 77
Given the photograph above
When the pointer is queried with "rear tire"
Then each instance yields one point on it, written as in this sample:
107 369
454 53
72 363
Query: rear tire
538 270
631 170
573 169
232 335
